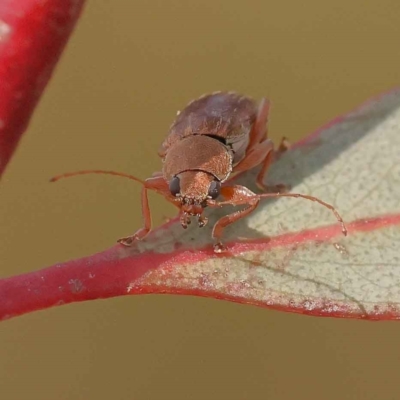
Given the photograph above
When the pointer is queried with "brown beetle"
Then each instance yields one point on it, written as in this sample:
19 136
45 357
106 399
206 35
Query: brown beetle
215 136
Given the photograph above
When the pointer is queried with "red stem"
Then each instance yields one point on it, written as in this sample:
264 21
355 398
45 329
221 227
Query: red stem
33 34
116 272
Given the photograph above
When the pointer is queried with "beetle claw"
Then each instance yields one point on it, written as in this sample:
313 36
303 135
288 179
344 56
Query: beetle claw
219 248
127 241
202 221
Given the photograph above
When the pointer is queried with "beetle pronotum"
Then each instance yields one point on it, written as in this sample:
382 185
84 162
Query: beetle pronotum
213 137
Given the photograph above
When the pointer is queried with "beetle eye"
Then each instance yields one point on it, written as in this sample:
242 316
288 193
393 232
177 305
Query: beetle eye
213 190
174 186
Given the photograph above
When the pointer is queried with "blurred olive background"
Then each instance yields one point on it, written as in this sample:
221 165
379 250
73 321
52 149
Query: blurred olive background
130 65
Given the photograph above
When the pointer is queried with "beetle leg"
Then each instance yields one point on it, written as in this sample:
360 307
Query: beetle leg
259 149
261 175
156 174
259 129
234 195
284 146
159 185
263 153
142 232
239 195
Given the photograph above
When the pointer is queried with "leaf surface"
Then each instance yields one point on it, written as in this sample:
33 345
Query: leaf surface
289 254
298 260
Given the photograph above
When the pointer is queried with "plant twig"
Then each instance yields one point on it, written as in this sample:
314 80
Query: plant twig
33 34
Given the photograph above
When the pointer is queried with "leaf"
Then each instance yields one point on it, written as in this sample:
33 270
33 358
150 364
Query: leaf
294 257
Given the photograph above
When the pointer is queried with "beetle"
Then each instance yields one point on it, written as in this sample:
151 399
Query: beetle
213 138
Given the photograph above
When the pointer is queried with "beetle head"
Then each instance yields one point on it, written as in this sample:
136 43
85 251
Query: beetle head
194 189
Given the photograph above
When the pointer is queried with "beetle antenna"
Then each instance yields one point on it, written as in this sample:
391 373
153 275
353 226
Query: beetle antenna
311 198
96 171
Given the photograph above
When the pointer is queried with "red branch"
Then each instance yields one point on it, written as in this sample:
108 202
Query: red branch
33 34
115 272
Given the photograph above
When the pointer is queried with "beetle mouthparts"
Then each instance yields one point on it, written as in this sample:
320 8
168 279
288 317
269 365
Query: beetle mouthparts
187 200
191 201
186 220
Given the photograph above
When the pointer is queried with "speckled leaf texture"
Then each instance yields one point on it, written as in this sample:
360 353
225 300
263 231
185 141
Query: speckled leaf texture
297 259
